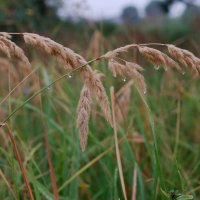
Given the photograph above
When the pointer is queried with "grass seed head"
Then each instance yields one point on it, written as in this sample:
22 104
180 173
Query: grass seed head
83 116
185 57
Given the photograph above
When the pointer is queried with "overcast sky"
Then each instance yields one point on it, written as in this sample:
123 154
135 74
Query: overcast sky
98 9
113 8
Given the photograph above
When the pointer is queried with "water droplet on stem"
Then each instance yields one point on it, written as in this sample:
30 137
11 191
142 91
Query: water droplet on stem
157 67
124 79
49 87
69 76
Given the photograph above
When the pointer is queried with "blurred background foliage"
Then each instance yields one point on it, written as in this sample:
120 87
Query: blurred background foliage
30 15
43 16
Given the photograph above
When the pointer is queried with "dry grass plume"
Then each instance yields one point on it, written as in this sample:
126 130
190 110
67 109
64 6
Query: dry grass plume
93 86
83 116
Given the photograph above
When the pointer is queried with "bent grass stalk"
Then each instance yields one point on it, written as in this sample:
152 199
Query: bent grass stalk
119 162
19 160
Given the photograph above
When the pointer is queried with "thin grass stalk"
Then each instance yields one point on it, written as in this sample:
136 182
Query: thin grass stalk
88 165
119 162
85 168
156 152
134 188
177 129
48 151
51 168
7 184
19 160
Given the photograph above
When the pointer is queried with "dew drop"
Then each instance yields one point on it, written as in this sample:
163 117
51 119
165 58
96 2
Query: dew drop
157 67
70 76
25 91
49 87
183 73
145 92
124 79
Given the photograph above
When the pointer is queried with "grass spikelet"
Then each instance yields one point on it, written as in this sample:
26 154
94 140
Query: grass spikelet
117 68
185 57
12 50
83 116
158 58
134 66
4 48
97 89
99 74
64 55
130 70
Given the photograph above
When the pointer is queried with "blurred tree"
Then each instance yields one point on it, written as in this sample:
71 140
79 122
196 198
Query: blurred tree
162 7
130 15
27 14
192 10
192 13
155 9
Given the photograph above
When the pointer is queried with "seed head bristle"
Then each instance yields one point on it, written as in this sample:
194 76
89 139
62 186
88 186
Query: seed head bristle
134 66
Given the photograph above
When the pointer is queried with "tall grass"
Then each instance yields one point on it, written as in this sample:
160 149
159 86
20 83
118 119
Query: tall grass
154 152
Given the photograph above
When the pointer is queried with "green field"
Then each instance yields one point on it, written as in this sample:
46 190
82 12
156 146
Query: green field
150 150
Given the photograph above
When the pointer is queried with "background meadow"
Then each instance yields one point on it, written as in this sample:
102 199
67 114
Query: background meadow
158 132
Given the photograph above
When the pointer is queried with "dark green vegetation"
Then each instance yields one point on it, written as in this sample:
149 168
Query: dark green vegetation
166 158
160 139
